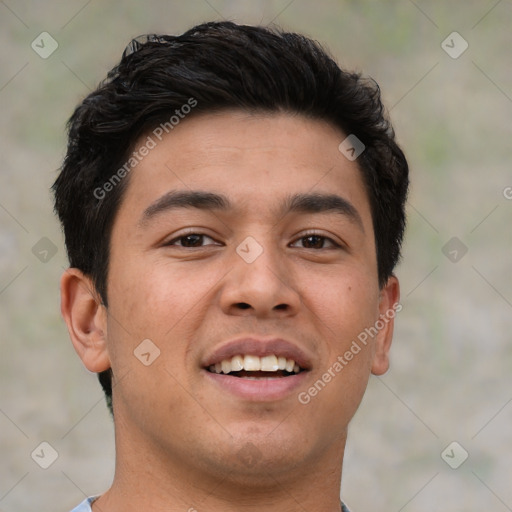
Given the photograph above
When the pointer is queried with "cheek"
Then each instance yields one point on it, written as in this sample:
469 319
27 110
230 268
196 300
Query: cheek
164 302
346 301
344 306
151 313
151 299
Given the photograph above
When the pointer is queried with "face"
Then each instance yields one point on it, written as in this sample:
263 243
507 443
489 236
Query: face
243 248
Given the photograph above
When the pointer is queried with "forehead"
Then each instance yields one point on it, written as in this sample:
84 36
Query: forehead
257 160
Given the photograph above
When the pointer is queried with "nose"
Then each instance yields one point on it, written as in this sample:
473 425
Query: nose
263 287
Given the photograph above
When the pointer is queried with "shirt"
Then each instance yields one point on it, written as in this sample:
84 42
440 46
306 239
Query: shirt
85 506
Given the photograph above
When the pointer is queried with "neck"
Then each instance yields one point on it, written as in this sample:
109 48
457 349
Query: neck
148 479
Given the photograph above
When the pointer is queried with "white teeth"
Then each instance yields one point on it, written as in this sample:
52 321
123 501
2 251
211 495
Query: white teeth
226 366
269 364
250 363
237 364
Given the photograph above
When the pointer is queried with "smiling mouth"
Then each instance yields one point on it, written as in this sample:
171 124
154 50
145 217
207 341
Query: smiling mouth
253 367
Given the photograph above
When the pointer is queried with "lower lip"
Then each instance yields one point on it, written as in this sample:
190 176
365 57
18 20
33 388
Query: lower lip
258 390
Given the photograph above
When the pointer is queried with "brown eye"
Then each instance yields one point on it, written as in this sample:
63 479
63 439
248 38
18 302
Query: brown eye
314 241
190 240
193 240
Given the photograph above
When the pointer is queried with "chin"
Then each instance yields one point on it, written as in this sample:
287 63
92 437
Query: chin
257 458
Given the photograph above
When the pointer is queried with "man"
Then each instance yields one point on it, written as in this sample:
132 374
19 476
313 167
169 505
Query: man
233 210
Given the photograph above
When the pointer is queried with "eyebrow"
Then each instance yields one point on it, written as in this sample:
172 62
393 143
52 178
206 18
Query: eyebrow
298 203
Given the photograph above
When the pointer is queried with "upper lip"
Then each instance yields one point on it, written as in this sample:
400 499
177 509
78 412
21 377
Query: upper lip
258 347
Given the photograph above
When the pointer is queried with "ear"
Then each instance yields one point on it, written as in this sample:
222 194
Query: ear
86 318
389 306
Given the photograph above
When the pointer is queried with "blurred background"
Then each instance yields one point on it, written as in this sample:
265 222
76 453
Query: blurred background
434 432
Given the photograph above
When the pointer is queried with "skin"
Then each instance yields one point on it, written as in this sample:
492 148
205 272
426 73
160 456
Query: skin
181 443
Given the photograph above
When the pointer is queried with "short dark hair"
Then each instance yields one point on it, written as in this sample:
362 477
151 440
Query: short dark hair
220 66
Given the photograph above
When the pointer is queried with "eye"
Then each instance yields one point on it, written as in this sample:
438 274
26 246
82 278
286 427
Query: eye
316 241
190 240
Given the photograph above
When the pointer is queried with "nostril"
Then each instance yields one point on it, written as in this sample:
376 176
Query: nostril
243 305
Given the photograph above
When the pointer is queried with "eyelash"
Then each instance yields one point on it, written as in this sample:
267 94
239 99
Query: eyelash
305 235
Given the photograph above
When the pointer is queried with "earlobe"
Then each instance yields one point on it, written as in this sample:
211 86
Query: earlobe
389 306
85 317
